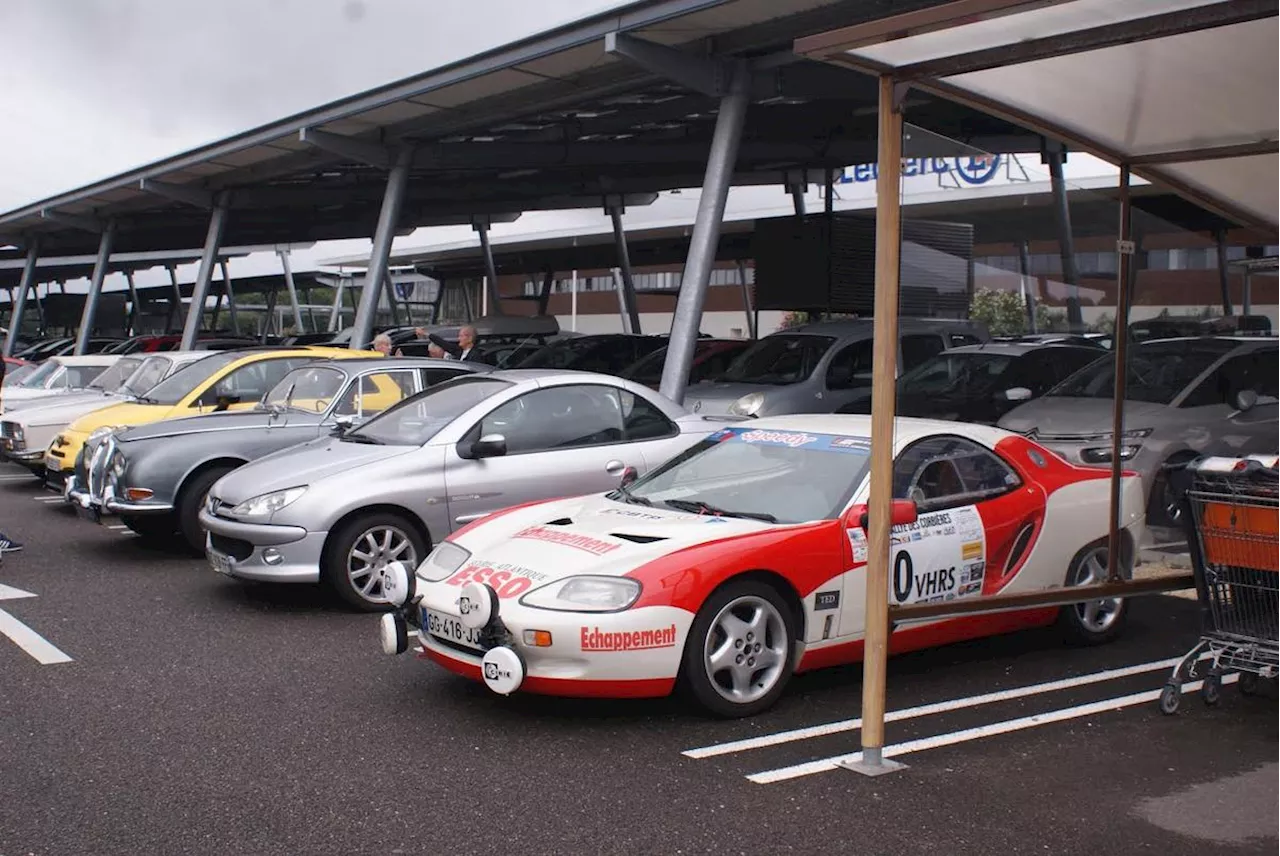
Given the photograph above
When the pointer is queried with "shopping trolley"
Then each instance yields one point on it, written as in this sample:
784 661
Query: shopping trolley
1230 511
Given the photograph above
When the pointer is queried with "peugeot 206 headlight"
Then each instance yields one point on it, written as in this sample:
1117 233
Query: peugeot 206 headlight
268 503
748 405
446 558
585 594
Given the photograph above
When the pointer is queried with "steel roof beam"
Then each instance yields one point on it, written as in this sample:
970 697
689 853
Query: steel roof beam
708 76
75 221
194 196
361 151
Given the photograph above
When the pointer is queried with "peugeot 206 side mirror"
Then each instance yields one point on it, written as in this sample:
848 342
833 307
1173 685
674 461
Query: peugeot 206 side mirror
1244 399
489 446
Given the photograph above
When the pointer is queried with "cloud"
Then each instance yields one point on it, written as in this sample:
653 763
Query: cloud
96 87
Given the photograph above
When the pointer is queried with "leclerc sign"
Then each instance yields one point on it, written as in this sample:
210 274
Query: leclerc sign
967 169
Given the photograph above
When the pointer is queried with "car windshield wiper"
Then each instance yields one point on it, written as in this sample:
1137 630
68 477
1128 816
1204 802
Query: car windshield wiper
629 497
700 507
361 438
147 399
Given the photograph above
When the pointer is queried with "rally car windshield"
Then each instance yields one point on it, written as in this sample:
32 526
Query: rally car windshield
778 476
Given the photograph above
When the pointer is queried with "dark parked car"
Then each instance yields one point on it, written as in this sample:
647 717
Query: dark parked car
608 353
981 383
156 476
711 357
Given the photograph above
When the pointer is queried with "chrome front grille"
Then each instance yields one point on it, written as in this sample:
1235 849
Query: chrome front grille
97 471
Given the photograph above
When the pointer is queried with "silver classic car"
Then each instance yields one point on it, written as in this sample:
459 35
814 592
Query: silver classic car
339 509
156 476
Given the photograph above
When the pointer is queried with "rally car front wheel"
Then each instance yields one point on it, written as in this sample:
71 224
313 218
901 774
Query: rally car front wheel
739 655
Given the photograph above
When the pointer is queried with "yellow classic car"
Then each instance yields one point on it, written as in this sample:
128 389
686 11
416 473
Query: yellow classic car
225 380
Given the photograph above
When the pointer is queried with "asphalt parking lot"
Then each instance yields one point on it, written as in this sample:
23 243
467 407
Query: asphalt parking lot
193 714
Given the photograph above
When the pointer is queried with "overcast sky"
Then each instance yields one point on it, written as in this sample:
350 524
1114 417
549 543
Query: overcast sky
96 87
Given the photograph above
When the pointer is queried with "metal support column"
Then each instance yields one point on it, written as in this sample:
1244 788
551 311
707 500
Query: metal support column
1224 273
20 302
133 303
620 289
388 219
1246 298
231 297
628 283
797 189
1124 251
490 268
175 316
706 235
335 314
269 317
1028 290
95 288
829 203
293 291
40 308
544 297
884 367
1054 155
747 303
200 291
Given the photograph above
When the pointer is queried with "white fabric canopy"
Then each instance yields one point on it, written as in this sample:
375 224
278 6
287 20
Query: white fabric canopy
1195 109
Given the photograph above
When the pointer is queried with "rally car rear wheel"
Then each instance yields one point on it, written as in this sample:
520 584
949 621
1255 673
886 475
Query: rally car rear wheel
1094 622
739 655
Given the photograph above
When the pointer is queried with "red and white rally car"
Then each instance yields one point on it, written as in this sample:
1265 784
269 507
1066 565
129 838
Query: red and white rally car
740 561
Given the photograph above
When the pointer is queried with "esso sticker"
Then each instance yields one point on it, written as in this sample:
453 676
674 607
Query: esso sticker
508 581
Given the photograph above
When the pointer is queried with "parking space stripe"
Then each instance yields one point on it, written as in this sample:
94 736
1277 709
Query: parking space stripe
822 765
927 709
44 652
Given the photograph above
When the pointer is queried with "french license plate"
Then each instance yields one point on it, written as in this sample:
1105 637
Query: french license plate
51 463
220 563
451 629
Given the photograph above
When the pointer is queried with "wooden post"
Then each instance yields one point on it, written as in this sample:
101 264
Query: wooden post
1124 249
884 369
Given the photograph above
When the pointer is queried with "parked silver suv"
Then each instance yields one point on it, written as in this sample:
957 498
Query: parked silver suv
816 368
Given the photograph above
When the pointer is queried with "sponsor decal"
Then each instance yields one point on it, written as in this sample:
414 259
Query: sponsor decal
933 560
826 600
778 438
971 550
970 588
567 539
851 443
858 541
629 512
596 640
507 580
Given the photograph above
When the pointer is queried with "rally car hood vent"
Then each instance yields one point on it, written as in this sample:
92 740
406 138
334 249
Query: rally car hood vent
560 521
638 539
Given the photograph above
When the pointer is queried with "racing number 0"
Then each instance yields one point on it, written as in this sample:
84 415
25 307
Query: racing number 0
903 576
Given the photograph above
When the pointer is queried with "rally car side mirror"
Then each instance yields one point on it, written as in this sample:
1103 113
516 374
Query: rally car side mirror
903 512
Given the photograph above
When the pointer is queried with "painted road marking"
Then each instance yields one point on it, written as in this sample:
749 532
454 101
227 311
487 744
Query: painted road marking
48 499
927 709
23 636
822 765
116 526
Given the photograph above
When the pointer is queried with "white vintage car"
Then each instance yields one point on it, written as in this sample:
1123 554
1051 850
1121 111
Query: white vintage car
741 560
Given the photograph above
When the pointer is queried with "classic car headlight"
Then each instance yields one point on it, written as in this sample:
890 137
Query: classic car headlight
268 503
446 558
117 463
1129 446
14 430
585 594
748 405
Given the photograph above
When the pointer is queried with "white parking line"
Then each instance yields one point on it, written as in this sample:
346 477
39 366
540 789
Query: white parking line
822 765
115 526
927 709
47 500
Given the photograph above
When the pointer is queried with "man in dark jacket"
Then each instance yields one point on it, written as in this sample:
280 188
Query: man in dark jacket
460 351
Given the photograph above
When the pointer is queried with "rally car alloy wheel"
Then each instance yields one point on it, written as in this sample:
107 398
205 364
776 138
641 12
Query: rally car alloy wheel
362 548
739 655
1093 622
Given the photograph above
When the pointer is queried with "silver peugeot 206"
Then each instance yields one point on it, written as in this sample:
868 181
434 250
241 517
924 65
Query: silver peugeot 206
339 509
